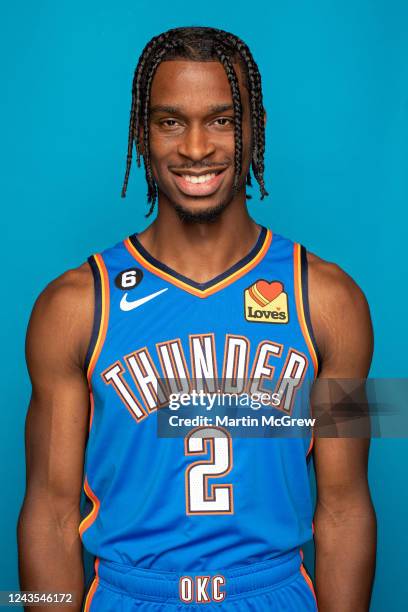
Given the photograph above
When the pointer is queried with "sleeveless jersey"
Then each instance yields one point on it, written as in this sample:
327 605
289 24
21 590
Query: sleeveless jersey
207 499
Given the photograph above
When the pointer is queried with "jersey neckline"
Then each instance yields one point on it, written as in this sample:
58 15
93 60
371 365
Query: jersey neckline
233 273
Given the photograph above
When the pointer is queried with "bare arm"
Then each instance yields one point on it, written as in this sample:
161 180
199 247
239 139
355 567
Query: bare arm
344 521
50 554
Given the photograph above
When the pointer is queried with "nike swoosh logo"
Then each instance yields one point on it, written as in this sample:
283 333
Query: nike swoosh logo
126 306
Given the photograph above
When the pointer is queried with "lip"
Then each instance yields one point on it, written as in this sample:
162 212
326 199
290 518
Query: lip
199 189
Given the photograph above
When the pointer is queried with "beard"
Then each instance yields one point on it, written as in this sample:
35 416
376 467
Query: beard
207 215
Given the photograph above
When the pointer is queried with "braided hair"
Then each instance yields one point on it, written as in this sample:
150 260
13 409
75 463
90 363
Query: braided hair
197 44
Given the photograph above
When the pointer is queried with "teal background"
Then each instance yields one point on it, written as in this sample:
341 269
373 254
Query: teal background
336 91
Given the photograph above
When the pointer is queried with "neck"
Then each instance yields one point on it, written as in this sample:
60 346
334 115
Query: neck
201 251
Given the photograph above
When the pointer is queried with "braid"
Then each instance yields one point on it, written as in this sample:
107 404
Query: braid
236 99
130 141
152 189
198 44
134 122
155 43
257 110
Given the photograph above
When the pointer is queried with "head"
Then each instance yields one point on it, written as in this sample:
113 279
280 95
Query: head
197 120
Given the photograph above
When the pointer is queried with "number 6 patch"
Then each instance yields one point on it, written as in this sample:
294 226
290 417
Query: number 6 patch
128 279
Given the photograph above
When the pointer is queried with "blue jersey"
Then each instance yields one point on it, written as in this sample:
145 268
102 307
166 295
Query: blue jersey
206 499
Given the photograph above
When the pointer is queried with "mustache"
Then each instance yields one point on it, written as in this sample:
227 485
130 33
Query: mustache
201 165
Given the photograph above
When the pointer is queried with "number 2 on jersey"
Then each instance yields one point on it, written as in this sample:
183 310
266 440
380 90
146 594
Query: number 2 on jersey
215 499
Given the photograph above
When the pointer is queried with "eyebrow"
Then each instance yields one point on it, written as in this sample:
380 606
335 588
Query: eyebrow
174 110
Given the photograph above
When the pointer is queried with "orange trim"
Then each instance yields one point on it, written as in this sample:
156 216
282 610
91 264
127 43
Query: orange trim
90 518
310 445
308 580
301 317
305 575
92 589
104 315
202 293
299 306
102 329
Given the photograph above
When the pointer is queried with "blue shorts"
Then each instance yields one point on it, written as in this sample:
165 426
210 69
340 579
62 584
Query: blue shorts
277 585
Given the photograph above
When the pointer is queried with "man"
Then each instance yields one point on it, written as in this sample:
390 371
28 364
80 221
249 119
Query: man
204 293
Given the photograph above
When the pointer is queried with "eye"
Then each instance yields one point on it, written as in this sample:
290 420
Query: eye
169 123
224 121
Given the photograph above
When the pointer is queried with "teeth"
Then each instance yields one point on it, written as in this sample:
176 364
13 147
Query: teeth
198 179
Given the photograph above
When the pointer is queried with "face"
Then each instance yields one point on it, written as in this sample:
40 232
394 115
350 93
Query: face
192 137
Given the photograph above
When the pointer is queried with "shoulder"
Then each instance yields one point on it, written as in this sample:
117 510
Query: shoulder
333 284
62 315
69 292
339 311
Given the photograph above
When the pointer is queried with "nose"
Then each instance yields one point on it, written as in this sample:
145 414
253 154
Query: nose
196 144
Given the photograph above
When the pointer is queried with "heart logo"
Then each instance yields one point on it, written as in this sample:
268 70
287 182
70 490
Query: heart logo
263 292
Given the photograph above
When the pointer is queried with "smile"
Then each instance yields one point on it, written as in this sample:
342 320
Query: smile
199 184
198 179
